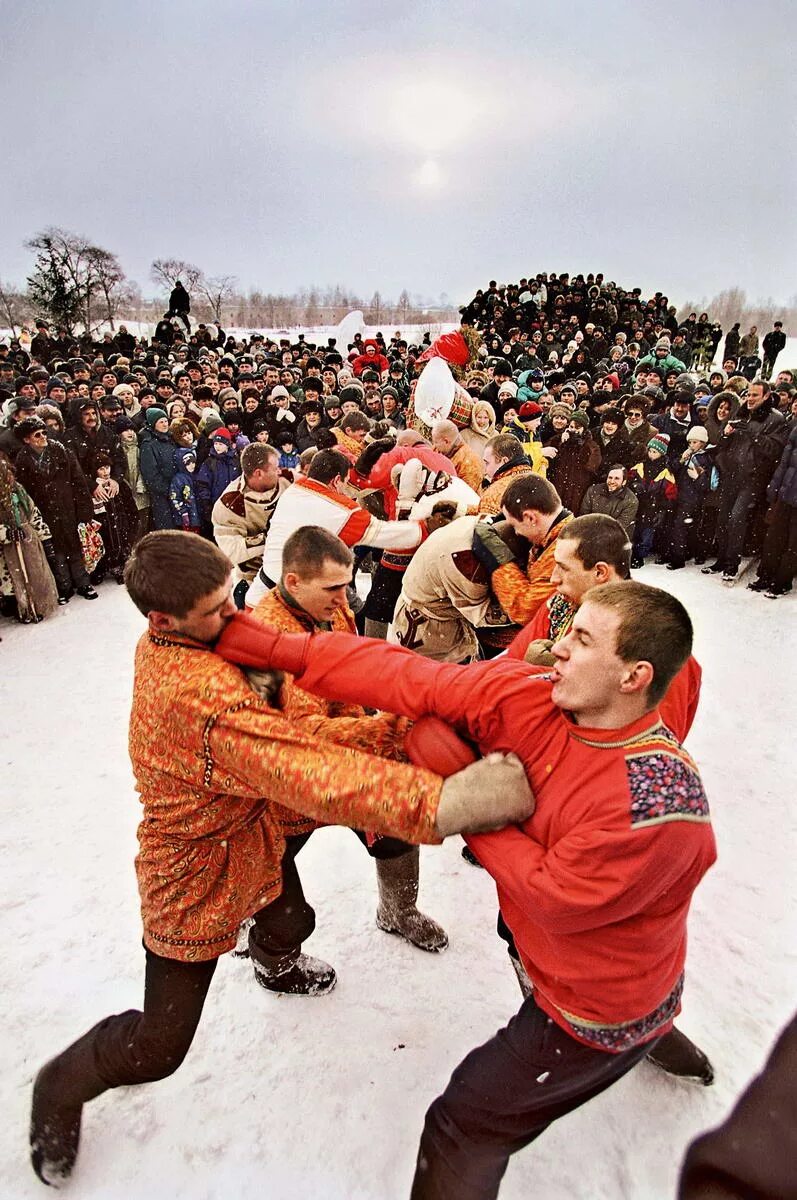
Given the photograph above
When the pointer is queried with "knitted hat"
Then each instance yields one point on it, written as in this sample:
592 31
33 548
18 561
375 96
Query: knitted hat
509 388
154 415
697 431
529 411
663 344
580 417
210 421
55 382
278 391
220 435
570 389
660 442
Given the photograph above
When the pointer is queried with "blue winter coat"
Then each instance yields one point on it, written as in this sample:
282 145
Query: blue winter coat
783 485
214 477
181 493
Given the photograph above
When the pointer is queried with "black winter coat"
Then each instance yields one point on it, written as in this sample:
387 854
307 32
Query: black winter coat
59 489
751 453
783 486
86 446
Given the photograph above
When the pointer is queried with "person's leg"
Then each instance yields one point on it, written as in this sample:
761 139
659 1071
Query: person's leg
737 527
787 566
78 572
63 576
728 496
132 1047
397 877
502 1096
277 932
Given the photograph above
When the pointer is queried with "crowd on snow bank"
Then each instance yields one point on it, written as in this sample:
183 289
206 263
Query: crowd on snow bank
602 392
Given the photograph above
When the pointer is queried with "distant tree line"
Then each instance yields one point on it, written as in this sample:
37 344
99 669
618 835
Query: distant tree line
82 286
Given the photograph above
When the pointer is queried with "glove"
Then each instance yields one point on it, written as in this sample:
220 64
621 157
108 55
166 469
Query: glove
267 684
488 794
489 548
538 653
249 643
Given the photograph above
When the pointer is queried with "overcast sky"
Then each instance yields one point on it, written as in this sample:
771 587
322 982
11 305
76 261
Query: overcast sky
422 145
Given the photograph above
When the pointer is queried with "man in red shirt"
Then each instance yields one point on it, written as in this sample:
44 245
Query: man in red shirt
595 887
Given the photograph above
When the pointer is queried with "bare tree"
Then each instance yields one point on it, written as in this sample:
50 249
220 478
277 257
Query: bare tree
218 290
166 271
70 275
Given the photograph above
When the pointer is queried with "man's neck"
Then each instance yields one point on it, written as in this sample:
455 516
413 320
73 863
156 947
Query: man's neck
614 716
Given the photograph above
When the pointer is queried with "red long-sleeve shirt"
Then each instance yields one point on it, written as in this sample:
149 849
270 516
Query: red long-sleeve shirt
596 885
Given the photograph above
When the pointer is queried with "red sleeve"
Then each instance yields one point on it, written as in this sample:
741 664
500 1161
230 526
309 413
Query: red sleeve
538 627
595 875
355 527
679 705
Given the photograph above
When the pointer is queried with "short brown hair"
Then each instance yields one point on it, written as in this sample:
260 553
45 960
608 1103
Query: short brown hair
600 538
256 455
654 628
328 465
309 547
505 446
355 420
171 571
531 492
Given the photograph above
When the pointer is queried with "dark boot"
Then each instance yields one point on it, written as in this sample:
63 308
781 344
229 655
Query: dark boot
470 857
397 879
60 1090
293 974
675 1054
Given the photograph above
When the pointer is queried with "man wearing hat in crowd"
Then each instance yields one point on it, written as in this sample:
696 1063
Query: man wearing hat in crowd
18 409
676 423
157 465
613 442
89 437
576 457
52 477
311 417
662 357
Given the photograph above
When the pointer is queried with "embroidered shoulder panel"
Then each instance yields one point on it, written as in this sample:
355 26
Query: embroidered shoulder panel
664 785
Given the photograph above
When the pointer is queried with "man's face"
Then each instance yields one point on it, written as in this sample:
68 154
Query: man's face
755 396
184 386
615 480
207 619
491 462
57 395
89 419
358 435
634 418
784 377
37 440
680 409
266 477
570 576
609 428
582 387
320 594
588 670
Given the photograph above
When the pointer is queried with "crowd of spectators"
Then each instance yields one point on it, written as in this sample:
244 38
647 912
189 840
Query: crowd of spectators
619 404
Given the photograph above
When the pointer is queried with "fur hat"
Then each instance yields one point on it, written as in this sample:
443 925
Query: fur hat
612 414
28 426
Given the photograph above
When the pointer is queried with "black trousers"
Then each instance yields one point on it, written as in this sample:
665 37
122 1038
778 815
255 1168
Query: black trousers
142 1046
502 1096
778 564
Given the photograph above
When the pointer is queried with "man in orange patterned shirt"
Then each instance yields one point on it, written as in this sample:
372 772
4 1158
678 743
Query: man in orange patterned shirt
211 758
311 596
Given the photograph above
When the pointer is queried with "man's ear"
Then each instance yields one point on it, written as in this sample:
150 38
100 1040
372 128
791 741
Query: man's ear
637 678
161 622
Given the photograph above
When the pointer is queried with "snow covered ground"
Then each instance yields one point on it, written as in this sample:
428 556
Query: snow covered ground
304 1098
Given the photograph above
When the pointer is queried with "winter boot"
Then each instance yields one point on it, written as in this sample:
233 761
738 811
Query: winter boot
398 890
675 1054
242 945
60 1090
293 974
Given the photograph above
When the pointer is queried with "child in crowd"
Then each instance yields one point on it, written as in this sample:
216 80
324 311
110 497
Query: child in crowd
181 491
117 514
656 490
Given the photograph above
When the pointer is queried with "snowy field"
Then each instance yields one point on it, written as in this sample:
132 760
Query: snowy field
301 1099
